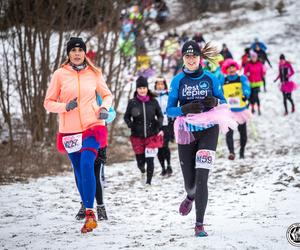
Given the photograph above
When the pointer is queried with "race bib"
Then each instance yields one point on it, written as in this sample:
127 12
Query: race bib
234 102
72 143
233 92
150 152
205 158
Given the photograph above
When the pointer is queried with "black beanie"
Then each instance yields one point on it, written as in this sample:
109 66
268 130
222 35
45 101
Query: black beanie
191 48
282 57
141 82
75 42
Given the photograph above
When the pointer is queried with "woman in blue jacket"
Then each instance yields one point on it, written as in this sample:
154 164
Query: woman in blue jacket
236 91
196 91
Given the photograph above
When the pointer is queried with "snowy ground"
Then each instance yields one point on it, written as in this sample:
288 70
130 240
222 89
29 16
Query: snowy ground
251 205
251 202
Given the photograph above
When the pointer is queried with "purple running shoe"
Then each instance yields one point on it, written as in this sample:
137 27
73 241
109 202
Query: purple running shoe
186 206
199 230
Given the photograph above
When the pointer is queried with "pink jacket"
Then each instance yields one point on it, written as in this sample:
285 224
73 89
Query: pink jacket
255 71
65 85
285 71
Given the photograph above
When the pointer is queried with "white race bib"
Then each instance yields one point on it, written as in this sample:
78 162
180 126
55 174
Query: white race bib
234 102
205 158
72 143
165 121
150 152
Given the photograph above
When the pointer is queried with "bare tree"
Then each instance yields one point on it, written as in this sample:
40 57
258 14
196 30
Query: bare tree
6 93
38 31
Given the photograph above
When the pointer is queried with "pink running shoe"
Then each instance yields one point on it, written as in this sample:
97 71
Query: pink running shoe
186 206
199 230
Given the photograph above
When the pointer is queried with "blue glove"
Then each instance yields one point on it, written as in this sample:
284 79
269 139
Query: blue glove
103 115
71 104
111 115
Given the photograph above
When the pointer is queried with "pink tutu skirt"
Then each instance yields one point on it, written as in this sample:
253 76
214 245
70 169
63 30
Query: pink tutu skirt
99 132
242 116
288 87
220 115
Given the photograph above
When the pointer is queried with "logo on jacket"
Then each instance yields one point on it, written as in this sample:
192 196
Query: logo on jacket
193 91
204 85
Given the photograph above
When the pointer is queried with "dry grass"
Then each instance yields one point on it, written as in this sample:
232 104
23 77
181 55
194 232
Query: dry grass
30 162
37 161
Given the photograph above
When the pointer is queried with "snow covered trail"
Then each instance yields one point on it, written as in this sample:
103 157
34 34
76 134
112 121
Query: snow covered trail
251 203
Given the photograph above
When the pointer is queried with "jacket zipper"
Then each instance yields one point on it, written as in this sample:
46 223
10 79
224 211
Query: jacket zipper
78 100
145 125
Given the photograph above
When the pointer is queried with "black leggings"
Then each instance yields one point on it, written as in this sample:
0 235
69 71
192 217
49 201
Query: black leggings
141 161
265 84
99 171
287 96
98 168
164 153
242 128
254 98
195 179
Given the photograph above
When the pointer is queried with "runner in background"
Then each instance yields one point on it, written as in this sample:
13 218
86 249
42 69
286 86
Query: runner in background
286 85
255 72
164 153
144 117
236 90
99 171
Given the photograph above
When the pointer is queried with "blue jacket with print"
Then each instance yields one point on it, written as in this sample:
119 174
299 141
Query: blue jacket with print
185 89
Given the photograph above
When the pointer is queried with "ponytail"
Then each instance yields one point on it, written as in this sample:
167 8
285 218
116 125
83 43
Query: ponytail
209 52
93 66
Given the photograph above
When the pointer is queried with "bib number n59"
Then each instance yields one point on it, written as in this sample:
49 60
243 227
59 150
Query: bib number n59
205 158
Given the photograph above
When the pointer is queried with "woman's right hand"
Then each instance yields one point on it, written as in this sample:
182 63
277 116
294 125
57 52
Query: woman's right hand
103 114
71 104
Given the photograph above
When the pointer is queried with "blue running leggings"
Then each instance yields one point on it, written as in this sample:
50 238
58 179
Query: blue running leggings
83 164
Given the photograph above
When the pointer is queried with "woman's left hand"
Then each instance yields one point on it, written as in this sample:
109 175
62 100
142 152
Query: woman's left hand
161 133
103 114
210 101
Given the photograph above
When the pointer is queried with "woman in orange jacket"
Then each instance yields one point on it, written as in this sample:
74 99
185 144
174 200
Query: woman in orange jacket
72 94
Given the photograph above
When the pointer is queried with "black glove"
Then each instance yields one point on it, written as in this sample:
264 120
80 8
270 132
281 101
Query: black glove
129 125
244 98
71 104
103 115
210 101
192 108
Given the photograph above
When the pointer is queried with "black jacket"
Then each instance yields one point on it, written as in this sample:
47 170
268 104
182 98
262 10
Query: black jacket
262 56
143 118
226 54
